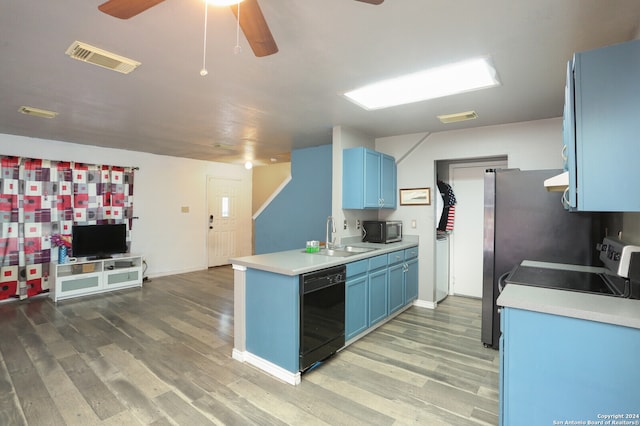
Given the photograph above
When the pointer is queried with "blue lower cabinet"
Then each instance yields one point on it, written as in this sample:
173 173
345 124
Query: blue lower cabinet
378 309
411 281
377 287
556 369
356 318
356 314
396 287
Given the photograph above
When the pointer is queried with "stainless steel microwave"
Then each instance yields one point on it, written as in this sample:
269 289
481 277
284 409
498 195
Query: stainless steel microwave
381 231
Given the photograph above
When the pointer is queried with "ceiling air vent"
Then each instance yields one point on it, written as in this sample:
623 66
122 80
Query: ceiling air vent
87 53
460 116
37 112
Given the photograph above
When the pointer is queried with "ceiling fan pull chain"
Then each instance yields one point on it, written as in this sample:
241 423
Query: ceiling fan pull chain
238 49
204 71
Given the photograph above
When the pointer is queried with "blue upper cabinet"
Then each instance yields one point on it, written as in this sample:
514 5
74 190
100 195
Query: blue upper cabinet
569 139
368 179
388 182
602 129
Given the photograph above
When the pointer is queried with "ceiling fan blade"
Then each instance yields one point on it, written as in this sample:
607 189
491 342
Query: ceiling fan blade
255 28
125 9
372 1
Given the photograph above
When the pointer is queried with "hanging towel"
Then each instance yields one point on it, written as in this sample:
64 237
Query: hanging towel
448 212
450 218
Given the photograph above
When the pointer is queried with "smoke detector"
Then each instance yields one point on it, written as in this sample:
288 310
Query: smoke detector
37 112
102 58
460 116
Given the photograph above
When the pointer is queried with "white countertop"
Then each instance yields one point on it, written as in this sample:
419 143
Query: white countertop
592 307
296 262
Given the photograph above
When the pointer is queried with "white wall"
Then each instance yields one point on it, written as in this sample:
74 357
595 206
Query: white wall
529 145
171 241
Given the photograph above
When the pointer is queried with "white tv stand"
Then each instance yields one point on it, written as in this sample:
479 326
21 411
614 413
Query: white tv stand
86 277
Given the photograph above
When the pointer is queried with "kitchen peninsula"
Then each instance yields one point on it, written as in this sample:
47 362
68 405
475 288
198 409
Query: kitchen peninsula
267 298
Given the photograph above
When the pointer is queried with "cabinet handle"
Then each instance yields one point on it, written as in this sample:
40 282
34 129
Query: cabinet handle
564 153
565 198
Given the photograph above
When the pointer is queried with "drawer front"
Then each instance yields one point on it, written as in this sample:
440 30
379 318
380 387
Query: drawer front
378 262
395 257
411 253
119 278
84 283
357 268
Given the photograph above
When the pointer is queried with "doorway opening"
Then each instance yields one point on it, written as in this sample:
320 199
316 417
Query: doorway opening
459 252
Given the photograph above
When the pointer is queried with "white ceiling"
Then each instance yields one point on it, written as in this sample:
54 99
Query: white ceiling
265 107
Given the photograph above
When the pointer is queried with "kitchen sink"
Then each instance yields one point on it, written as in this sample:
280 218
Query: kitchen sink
343 251
354 249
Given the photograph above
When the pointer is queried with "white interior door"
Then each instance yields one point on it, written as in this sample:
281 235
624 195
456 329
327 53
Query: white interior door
228 214
467 182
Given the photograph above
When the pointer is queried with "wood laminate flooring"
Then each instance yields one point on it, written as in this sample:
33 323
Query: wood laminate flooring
161 355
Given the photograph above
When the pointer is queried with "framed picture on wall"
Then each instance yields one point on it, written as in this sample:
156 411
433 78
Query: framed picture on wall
415 196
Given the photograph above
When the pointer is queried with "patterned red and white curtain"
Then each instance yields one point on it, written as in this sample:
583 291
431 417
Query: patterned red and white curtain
40 201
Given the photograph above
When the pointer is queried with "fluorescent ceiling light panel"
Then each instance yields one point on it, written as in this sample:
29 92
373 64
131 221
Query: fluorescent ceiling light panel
433 83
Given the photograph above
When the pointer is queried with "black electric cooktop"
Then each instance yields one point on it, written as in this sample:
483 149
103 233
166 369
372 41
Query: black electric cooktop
586 282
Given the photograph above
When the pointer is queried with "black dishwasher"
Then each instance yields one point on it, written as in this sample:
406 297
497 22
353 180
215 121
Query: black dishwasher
322 312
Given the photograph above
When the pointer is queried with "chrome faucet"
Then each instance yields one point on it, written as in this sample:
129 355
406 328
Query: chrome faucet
329 242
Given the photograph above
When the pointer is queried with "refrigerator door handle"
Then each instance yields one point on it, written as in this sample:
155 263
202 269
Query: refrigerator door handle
501 283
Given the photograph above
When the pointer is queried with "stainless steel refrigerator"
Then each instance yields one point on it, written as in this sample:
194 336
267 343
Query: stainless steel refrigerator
525 221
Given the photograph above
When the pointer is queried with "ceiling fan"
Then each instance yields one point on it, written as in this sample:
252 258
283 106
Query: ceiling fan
252 21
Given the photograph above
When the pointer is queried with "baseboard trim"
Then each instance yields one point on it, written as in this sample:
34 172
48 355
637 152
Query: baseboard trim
425 304
267 366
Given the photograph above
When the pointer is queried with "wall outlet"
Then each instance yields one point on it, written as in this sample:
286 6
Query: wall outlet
357 224
345 224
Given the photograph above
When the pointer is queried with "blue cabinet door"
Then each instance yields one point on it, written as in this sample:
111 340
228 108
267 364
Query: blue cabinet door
353 178
388 182
377 296
607 99
411 280
372 173
396 287
356 315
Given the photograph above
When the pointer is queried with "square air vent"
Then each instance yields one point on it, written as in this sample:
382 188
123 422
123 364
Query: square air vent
87 53
460 116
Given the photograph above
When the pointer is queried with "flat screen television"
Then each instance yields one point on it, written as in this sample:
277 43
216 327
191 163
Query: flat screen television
98 241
